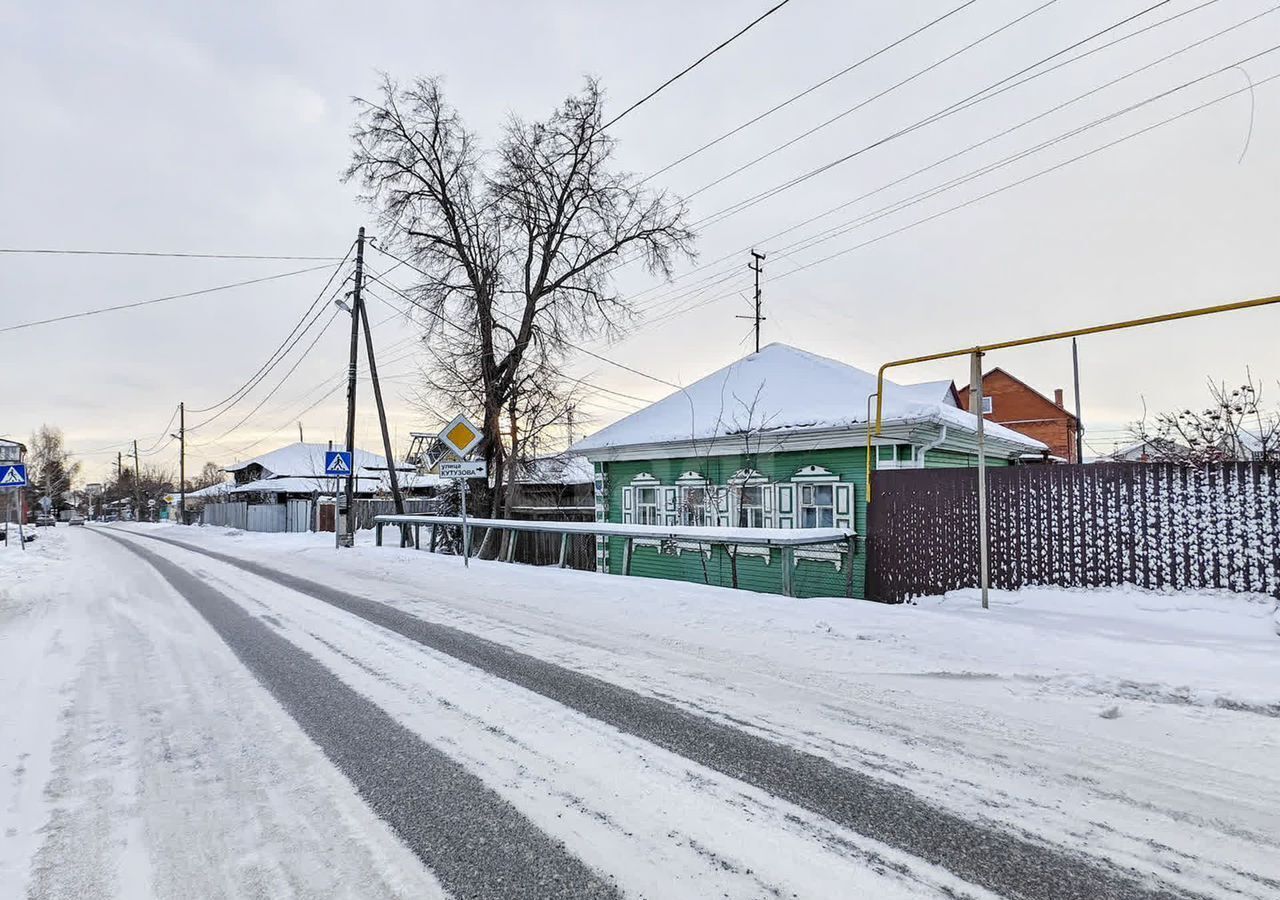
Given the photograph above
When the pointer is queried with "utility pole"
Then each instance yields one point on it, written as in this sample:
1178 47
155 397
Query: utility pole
1075 373
351 393
754 266
182 463
137 485
377 398
300 440
975 407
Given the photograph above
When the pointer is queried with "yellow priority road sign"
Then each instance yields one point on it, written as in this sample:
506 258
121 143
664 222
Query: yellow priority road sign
461 436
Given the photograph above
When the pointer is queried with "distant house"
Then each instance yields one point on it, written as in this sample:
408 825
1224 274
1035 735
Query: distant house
550 483
777 439
12 451
297 471
287 489
1016 405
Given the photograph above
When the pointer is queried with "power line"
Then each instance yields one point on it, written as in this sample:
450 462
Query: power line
157 253
268 368
135 305
1018 183
376 277
865 102
319 296
973 99
699 61
284 377
764 241
848 225
809 90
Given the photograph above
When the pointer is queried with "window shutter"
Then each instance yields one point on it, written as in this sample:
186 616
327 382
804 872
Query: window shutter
766 497
786 505
627 515
669 500
844 505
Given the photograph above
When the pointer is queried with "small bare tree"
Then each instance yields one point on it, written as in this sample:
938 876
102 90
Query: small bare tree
1234 427
516 246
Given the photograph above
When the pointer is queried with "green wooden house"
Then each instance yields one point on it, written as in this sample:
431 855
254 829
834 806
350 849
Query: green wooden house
777 439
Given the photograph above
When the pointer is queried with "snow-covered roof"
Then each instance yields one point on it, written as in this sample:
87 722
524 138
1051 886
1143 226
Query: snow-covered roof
783 388
558 470
943 392
213 490
308 460
369 482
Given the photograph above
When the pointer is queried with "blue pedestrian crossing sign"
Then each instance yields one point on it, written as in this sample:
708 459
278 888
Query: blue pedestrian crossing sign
13 475
337 463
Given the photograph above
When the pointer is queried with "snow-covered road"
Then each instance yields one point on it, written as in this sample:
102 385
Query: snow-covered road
739 749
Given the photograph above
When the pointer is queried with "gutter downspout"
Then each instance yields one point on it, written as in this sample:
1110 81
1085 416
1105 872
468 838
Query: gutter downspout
932 445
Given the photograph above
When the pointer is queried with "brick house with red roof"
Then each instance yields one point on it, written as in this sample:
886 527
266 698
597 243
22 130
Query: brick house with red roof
1014 404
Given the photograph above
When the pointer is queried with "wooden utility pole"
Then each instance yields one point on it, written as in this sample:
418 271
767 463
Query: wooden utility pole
351 394
137 484
382 412
754 266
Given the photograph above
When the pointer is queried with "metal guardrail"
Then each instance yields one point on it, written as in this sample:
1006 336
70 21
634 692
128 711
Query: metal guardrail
785 539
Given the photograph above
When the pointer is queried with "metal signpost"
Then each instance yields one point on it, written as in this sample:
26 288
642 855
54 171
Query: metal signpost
461 436
337 463
13 477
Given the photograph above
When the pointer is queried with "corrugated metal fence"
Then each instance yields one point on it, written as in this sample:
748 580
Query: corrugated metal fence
1151 525
293 515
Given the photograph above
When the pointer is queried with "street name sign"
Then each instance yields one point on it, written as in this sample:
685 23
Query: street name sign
471 469
13 475
461 436
337 463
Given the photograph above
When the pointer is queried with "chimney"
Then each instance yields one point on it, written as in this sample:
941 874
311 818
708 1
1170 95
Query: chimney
1057 397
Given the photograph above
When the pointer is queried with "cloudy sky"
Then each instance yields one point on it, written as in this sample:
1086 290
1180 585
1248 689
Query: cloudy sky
222 128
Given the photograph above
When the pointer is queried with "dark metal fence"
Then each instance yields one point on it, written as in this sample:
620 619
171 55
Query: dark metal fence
544 549
1152 525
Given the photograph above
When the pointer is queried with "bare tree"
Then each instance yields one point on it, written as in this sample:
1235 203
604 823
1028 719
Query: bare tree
52 467
515 247
208 476
1234 427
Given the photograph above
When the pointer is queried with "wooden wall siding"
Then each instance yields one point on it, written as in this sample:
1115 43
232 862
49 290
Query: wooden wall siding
814 578
1152 525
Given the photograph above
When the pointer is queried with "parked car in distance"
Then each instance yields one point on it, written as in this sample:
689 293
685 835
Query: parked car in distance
76 519
44 519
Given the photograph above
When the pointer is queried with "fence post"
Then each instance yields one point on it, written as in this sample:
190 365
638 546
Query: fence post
435 529
417 536
511 544
626 557
848 572
564 549
788 571
377 536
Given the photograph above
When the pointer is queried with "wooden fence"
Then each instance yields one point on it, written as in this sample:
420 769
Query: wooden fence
1152 525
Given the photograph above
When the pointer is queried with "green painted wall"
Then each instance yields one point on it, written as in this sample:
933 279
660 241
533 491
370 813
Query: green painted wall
814 578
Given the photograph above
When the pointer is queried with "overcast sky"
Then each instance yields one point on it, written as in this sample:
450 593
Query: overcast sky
223 127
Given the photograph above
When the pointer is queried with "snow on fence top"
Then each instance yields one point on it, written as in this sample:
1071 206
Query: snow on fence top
781 388
763 537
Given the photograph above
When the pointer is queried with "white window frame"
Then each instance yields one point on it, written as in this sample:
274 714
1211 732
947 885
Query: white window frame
754 511
650 512
895 460
987 405
807 501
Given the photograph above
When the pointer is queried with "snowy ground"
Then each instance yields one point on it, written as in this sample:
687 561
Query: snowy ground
1138 728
